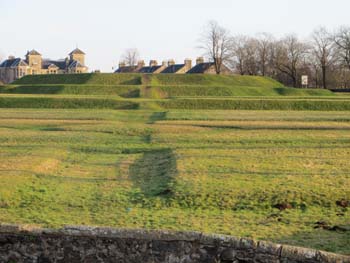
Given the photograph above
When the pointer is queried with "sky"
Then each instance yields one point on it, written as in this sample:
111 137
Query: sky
159 29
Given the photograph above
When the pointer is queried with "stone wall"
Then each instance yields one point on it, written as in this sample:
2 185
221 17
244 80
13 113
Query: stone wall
87 244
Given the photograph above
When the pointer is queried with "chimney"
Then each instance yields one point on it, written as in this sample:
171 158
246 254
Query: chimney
153 63
188 63
171 62
199 60
141 64
11 57
122 64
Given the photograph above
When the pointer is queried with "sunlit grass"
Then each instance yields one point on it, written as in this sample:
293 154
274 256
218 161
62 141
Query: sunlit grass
210 171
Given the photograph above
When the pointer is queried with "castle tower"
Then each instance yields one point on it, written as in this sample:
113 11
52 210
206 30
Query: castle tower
34 60
77 55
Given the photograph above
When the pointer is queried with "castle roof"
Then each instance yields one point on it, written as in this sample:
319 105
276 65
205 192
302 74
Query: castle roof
127 69
61 64
77 51
201 68
150 69
75 64
173 68
15 62
33 52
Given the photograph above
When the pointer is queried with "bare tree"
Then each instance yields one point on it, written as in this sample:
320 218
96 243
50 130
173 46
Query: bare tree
323 49
239 54
323 57
130 57
289 55
217 41
252 56
264 48
244 55
342 40
315 69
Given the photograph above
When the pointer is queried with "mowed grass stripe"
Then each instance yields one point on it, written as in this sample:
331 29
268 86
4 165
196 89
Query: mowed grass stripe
257 124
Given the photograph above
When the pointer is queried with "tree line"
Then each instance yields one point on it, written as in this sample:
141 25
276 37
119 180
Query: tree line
324 57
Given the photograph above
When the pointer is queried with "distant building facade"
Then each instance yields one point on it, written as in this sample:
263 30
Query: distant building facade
33 64
171 67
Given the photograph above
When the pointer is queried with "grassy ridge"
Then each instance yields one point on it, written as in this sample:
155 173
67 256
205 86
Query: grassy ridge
155 79
66 103
127 91
255 104
168 91
232 91
101 79
210 80
156 86
103 102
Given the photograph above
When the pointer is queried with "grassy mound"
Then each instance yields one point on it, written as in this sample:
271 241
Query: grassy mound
155 86
156 79
101 79
165 91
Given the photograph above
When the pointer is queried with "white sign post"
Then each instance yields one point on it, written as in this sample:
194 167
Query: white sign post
304 81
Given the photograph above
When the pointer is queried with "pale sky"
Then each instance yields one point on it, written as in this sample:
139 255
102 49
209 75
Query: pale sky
160 29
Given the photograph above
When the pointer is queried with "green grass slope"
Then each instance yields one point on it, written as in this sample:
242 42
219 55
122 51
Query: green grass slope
108 102
152 80
210 80
169 91
65 102
155 86
256 104
101 79
165 91
126 91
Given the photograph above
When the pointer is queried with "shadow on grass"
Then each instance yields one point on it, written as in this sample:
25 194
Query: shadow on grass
52 89
157 116
154 172
134 93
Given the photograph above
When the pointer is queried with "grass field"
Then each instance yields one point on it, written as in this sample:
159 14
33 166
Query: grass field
243 156
211 171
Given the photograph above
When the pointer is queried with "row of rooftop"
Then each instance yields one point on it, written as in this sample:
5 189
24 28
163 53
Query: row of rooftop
170 67
33 64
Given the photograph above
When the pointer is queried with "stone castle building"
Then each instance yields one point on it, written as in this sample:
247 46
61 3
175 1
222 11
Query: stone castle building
33 64
170 67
